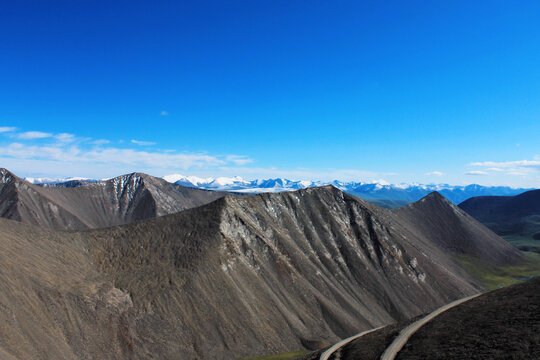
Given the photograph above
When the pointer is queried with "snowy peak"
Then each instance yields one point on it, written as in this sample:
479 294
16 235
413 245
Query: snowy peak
129 181
372 191
189 181
238 184
57 182
6 177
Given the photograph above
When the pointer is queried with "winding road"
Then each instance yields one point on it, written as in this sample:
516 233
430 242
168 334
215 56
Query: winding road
326 355
393 349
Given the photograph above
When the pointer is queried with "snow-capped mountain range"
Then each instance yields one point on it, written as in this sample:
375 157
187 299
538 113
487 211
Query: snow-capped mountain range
377 190
380 191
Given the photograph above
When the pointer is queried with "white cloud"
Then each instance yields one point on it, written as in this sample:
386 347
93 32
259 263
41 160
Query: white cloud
239 159
4 129
78 156
31 135
509 164
476 172
164 113
100 142
434 173
518 173
110 156
65 138
495 169
143 143
515 168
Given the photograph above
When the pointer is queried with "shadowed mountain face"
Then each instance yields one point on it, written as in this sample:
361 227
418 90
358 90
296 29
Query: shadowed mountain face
452 229
516 218
502 324
90 205
238 277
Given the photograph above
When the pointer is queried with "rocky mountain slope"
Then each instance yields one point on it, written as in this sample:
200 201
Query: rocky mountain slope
238 277
516 218
452 229
88 205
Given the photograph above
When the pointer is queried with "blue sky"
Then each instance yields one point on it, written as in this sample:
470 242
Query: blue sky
429 92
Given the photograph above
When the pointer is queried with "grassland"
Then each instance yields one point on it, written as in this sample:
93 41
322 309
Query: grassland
495 277
523 233
523 242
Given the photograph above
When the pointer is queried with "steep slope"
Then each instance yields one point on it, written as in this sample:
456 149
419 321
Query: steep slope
450 228
90 205
54 303
238 277
516 218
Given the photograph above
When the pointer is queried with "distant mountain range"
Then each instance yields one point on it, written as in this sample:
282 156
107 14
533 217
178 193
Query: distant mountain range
400 194
380 193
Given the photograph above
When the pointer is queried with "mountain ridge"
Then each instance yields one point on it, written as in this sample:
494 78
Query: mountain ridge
86 205
391 194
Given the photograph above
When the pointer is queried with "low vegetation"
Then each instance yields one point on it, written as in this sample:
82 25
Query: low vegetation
495 277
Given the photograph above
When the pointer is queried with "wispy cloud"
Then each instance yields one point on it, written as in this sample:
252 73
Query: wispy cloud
65 138
110 156
434 173
100 142
238 159
164 113
516 168
4 129
32 135
509 164
98 158
63 154
143 143
476 172
495 169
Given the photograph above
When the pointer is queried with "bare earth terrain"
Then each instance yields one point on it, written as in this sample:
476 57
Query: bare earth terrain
239 277
501 324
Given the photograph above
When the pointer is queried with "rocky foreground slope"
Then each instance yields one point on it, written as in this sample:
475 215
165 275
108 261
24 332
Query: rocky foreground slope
91 205
501 324
239 277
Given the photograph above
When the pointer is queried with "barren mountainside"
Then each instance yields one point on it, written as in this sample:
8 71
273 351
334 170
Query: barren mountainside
91 205
238 277
452 229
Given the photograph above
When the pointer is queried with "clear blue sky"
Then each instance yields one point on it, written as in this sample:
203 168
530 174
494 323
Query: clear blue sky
353 90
